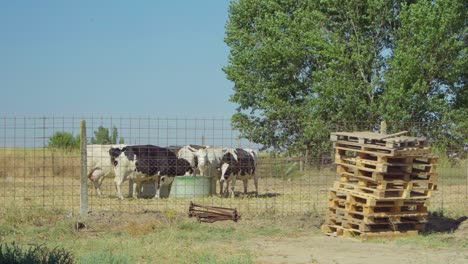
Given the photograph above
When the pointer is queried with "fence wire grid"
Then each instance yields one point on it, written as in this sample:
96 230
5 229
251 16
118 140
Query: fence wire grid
33 174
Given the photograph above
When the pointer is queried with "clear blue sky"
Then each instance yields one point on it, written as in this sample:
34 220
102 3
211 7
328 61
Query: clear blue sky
114 58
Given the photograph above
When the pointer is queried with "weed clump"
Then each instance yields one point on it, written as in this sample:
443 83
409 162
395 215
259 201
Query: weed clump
15 254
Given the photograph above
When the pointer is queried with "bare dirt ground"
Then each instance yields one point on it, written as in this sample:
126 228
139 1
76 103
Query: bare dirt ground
311 246
324 249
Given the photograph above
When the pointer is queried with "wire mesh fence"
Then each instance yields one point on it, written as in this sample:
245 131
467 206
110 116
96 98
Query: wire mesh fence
33 173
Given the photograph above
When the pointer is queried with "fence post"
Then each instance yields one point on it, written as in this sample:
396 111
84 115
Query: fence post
52 156
383 127
84 178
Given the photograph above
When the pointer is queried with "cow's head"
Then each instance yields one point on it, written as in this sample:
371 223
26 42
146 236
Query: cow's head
202 160
227 165
114 153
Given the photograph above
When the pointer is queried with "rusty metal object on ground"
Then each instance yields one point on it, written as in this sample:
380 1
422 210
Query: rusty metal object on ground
210 214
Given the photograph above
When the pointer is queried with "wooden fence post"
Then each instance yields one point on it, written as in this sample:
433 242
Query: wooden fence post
383 127
84 178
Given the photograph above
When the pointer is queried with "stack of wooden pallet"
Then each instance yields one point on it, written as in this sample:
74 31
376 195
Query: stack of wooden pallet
385 183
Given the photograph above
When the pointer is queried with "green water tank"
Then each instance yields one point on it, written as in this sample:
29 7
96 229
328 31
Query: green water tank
191 186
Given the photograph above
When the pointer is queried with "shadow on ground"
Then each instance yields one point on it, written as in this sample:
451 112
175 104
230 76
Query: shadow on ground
440 224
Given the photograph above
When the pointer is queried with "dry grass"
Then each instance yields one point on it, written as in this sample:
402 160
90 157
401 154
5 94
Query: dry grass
46 178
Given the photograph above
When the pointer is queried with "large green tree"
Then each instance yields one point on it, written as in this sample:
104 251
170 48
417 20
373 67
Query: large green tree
304 68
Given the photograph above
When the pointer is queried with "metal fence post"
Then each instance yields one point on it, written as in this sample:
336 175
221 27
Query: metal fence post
84 178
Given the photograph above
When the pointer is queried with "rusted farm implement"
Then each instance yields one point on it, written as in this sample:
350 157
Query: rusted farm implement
210 214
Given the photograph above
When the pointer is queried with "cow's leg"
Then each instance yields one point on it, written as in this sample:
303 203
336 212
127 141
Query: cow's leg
96 176
157 185
99 183
139 189
224 188
136 188
245 180
221 184
224 181
234 178
256 184
118 182
131 187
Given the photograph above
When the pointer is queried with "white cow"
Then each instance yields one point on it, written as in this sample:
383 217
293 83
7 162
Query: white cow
99 164
189 153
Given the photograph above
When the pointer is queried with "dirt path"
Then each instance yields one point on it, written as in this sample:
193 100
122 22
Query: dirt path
337 250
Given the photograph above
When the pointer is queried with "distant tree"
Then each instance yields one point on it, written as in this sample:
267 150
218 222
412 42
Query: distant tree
64 140
101 136
115 135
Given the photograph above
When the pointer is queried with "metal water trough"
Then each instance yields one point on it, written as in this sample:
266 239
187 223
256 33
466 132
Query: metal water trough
191 186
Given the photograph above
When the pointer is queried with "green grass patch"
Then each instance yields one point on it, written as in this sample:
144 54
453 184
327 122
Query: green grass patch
435 240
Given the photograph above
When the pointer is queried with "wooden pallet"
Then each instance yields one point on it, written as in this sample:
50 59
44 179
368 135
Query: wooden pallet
367 201
383 211
380 150
398 160
359 218
360 226
387 163
371 192
393 170
332 230
351 171
412 185
356 204
393 141
385 182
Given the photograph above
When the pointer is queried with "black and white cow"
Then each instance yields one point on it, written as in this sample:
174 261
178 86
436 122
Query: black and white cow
146 162
238 164
209 162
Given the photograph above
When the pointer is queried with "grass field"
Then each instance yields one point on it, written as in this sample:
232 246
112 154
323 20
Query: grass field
167 236
39 191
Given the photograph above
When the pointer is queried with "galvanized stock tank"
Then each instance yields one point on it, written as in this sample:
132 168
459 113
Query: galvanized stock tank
192 186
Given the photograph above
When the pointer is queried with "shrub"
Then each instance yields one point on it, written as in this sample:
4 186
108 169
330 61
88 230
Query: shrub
37 254
64 140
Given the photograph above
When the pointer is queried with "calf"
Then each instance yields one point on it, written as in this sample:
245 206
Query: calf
99 164
238 164
146 162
